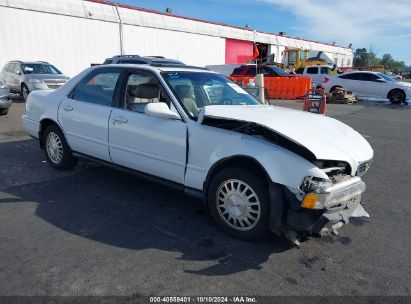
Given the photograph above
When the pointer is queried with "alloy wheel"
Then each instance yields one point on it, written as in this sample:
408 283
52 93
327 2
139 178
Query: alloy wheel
238 205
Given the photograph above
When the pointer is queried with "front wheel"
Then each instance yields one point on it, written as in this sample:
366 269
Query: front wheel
396 96
239 203
58 153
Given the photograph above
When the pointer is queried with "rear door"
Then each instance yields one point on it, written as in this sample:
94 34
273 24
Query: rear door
351 82
84 114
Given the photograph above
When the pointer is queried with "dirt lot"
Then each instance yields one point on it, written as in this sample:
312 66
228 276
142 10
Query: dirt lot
96 231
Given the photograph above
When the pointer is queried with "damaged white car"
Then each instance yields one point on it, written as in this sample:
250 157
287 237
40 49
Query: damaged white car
256 167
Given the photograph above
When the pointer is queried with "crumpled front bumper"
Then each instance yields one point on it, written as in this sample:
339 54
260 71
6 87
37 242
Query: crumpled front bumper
343 200
321 222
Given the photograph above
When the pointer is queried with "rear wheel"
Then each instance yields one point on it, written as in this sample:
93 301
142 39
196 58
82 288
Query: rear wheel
58 153
24 92
239 203
396 96
4 111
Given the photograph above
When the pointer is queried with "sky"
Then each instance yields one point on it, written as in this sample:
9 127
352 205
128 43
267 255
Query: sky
382 25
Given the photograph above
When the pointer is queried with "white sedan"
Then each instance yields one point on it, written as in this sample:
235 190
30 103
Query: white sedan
256 167
370 84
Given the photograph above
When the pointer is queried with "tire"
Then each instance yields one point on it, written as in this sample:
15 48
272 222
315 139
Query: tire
231 219
58 153
396 96
24 93
4 111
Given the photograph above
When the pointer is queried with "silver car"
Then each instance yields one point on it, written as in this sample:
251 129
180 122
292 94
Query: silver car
25 77
5 101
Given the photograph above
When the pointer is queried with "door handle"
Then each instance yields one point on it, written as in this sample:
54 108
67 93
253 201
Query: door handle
119 119
67 108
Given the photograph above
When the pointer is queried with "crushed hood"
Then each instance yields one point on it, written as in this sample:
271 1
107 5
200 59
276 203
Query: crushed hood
325 137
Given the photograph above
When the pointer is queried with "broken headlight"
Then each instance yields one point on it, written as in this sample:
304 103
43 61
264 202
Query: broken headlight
321 193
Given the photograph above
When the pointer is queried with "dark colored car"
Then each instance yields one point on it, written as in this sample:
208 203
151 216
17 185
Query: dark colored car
136 59
250 70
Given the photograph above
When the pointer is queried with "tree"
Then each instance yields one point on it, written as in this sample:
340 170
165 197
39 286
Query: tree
360 57
364 58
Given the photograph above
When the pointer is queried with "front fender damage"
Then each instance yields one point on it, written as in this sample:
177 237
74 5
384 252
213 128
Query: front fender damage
287 217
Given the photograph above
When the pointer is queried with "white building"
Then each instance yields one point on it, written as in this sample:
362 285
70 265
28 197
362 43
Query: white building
72 34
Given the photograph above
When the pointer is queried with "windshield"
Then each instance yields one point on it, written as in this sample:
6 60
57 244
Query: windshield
385 77
39 68
196 90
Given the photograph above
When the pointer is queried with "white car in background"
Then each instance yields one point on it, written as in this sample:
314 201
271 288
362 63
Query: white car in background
394 76
317 73
370 84
256 167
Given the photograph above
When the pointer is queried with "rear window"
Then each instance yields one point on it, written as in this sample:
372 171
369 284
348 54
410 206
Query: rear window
237 71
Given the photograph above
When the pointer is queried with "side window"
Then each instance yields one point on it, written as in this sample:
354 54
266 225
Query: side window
141 89
299 71
355 76
237 71
251 72
312 70
97 88
369 77
324 70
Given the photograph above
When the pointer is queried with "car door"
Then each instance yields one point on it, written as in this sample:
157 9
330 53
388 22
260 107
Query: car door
85 113
352 82
324 71
312 72
374 86
153 145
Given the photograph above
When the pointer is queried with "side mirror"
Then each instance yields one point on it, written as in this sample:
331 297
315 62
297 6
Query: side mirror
160 110
18 72
381 80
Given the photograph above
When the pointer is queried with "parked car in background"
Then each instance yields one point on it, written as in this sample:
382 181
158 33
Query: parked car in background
5 101
317 73
370 84
256 167
136 59
394 76
24 77
251 70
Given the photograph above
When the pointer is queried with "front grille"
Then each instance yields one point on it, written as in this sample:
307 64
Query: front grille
54 84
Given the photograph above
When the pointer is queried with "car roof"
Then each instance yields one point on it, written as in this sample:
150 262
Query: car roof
29 62
161 67
356 72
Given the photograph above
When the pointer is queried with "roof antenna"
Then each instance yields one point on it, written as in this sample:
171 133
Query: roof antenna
169 10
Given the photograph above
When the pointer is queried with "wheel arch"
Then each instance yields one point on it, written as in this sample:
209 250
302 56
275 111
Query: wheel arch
395 89
335 87
240 161
44 123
